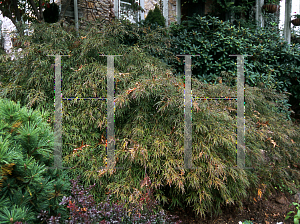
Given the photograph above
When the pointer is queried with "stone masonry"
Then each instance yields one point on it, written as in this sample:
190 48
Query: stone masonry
91 9
104 9
172 11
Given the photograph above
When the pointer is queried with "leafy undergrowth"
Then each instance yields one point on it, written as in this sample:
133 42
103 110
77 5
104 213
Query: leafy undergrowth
149 124
84 209
156 148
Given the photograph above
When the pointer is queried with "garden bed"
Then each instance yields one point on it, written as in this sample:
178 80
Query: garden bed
265 211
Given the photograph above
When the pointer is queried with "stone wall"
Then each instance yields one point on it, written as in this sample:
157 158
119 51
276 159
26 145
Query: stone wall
104 9
172 11
93 9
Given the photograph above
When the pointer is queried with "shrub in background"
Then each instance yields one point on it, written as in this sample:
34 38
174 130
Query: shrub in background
26 147
155 17
153 39
273 64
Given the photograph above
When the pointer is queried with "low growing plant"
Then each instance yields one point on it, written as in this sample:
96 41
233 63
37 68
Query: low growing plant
246 222
83 209
296 216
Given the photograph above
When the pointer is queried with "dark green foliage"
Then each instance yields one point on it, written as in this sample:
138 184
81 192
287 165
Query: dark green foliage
149 117
155 17
273 64
154 40
26 147
2 51
135 6
241 10
51 13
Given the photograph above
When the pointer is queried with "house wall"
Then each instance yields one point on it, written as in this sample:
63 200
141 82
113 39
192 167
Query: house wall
208 5
90 9
94 9
172 11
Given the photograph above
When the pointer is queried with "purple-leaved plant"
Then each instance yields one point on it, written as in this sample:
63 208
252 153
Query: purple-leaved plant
84 210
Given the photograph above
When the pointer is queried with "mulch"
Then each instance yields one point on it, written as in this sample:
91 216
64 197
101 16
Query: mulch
270 210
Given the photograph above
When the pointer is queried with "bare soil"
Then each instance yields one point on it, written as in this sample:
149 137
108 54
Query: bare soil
265 211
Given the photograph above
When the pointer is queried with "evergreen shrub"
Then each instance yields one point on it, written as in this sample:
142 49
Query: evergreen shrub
155 17
149 123
153 39
26 148
273 64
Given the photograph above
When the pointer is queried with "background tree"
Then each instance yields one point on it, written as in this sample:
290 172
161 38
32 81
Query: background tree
20 11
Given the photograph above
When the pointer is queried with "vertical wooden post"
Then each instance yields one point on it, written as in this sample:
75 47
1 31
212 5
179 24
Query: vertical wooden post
258 13
76 17
178 11
287 21
166 11
116 8
142 4
1 36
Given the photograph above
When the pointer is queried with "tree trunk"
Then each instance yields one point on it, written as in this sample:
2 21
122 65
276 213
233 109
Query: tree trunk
38 13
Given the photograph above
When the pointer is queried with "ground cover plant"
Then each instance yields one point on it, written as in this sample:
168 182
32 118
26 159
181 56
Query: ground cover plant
296 216
83 209
149 122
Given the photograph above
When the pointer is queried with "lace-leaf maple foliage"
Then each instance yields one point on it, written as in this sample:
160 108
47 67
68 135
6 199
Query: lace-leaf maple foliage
149 120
